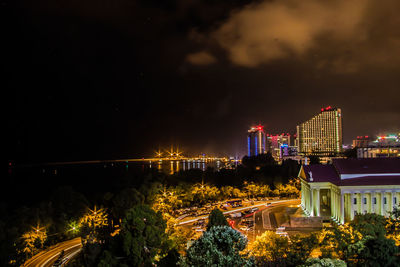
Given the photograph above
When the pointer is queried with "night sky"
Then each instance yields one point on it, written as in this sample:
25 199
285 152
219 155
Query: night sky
105 79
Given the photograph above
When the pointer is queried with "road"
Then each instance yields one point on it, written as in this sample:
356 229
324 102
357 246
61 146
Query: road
258 205
48 257
265 218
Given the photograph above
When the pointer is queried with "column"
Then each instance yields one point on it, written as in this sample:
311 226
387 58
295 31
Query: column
393 194
308 200
382 203
373 206
352 206
336 204
342 207
370 203
311 202
318 203
362 202
333 201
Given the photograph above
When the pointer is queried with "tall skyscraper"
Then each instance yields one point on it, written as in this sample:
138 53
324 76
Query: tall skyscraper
322 134
256 141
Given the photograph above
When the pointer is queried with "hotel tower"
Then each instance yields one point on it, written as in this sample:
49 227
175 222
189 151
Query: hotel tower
322 134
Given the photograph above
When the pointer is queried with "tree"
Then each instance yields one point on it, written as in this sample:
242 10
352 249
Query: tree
361 242
93 225
270 247
124 200
227 192
34 240
166 201
142 236
288 190
216 218
179 236
300 249
378 251
203 193
369 224
220 246
393 225
340 242
251 189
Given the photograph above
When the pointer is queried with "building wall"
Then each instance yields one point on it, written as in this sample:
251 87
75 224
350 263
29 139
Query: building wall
345 202
378 152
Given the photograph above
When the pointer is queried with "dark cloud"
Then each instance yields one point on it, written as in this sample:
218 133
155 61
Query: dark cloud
346 35
105 79
200 58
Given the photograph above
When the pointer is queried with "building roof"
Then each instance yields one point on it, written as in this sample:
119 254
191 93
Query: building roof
321 173
371 180
368 165
356 172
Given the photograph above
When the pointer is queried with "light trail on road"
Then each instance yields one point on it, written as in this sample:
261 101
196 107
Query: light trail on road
48 257
236 210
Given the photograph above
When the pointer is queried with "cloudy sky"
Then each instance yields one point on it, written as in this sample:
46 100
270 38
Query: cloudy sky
122 78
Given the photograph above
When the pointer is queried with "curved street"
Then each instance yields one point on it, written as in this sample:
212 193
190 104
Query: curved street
48 257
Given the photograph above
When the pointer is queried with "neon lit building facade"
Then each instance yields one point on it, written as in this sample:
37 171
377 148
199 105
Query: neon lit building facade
275 143
322 134
256 141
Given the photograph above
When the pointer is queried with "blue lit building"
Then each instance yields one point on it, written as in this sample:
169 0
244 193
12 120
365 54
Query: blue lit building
256 141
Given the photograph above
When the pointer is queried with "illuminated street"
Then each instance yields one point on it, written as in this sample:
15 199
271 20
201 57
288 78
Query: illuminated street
269 216
48 257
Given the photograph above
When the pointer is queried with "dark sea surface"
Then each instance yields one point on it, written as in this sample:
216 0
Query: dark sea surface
26 184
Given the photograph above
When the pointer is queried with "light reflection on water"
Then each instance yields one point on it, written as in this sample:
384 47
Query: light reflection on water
173 166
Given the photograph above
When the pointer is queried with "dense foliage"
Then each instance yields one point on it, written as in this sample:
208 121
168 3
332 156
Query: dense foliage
270 249
216 218
219 246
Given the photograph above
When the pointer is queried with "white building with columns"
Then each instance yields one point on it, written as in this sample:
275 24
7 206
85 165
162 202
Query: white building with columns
350 186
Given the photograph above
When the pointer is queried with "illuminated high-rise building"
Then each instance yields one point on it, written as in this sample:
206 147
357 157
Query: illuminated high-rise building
256 141
322 134
275 142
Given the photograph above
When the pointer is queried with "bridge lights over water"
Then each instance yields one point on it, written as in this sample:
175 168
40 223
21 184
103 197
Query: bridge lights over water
169 154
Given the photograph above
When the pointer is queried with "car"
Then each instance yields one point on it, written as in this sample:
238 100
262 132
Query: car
254 209
236 215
